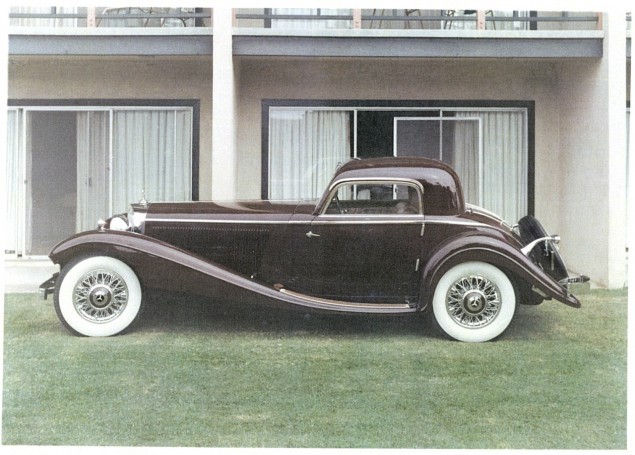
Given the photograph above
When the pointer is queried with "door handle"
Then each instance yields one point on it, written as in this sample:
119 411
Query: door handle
311 234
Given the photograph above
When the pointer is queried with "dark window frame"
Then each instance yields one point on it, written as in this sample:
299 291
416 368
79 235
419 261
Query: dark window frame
195 104
529 105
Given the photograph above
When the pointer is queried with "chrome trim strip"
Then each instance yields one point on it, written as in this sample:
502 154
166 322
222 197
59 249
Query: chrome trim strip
367 221
224 221
339 219
458 223
367 307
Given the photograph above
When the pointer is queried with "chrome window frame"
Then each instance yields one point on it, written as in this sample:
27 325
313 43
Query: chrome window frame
335 186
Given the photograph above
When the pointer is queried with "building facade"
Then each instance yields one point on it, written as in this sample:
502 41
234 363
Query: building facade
109 105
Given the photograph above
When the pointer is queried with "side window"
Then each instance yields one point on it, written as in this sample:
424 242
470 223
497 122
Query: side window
375 198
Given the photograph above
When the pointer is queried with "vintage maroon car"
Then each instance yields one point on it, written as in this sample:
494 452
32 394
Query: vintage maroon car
389 236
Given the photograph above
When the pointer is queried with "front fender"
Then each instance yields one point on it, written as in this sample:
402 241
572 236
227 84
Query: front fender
160 265
492 250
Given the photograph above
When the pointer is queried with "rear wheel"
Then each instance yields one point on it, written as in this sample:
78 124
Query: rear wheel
474 302
97 296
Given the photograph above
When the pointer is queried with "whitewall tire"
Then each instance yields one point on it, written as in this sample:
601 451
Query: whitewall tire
474 302
97 296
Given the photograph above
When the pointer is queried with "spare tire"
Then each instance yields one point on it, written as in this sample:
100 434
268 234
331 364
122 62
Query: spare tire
545 254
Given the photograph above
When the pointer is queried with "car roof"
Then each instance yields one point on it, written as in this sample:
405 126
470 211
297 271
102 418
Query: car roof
392 162
442 187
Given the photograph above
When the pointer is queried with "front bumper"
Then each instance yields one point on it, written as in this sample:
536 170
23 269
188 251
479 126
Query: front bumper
48 287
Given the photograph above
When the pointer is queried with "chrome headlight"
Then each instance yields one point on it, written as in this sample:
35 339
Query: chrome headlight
136 217
118 223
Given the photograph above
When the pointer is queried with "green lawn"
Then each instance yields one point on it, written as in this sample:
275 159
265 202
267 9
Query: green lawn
193 375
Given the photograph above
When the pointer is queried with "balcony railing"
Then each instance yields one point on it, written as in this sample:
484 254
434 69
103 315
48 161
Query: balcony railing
367 19
109 17
410 19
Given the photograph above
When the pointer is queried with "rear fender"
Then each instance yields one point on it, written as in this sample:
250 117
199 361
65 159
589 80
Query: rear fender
493 251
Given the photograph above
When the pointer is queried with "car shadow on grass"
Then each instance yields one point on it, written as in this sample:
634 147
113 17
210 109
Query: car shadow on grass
186 313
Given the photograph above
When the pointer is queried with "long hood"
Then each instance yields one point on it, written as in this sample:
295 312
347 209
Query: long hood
230 210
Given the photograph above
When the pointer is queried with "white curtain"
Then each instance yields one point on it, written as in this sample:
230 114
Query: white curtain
93 142
310 24
465 159
44 22
15 188
504 162
151 156
305 148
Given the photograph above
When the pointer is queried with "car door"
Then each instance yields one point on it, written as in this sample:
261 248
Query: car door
365 244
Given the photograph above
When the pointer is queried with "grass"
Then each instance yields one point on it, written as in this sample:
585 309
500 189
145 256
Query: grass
191 374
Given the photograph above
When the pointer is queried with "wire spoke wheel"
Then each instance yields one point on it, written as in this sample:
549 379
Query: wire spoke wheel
473 301
100 296
97 296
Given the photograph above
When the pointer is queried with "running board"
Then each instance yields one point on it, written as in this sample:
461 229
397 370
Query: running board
349 307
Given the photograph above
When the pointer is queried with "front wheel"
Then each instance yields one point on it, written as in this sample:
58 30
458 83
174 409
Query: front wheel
474 302
97 296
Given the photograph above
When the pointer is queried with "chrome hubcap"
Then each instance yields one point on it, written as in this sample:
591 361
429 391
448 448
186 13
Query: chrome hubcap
473 301
100 296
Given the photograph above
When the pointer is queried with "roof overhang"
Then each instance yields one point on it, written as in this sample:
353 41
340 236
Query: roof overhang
110 41
420 43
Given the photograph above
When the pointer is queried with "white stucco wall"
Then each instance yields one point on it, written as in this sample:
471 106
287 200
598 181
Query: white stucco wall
592 97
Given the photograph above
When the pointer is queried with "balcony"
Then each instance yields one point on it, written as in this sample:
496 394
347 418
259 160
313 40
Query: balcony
307 32
417 33
110 31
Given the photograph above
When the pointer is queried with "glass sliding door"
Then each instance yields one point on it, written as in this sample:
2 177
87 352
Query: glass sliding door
68 167
487 149
455 141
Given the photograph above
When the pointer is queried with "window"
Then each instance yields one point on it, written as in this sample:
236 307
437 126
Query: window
70 166
488 145
375 198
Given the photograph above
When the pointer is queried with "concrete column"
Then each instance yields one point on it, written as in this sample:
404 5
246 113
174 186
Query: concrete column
224 108
615 53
